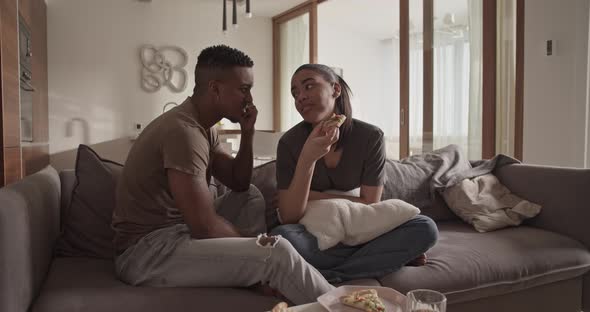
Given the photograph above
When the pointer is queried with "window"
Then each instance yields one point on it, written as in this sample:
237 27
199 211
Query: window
424 71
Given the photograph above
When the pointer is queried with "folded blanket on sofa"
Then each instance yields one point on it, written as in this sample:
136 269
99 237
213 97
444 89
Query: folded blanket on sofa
487 204
334 221
417 179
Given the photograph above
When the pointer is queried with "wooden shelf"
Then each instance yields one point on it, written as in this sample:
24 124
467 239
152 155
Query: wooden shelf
22 158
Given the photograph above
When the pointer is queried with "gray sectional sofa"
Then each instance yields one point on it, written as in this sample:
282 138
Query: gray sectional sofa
542 265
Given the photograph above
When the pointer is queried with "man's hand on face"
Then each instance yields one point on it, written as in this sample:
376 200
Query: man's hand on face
248 118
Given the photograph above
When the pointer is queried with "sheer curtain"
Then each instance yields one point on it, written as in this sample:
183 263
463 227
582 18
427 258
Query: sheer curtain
475 9
457 87
505 81
416 95
294 53
451 95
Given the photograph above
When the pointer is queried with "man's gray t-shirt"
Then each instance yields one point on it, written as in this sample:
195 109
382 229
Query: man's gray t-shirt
362 161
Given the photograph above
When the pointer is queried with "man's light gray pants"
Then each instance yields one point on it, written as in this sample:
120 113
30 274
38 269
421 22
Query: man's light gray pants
169 257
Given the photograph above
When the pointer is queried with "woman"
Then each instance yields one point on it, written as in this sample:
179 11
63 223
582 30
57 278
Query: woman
312 159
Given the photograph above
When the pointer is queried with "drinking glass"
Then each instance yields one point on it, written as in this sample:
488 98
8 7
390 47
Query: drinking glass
426 300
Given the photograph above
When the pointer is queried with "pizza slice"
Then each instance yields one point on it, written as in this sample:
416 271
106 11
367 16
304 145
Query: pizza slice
334 121
366 300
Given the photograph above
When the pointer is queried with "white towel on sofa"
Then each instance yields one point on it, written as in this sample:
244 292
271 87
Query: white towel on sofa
340 220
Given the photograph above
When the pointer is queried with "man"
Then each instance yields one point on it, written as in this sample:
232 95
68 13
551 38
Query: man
169 229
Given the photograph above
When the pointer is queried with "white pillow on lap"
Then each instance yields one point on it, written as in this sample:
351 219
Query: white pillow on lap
354 192
339 220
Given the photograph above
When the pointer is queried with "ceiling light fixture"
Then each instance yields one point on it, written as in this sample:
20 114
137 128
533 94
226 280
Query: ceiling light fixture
224 21
234 13
234 17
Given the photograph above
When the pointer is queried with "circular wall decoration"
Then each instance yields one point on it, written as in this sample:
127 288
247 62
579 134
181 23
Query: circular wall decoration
163 67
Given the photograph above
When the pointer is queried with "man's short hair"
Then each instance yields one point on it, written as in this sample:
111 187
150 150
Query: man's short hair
214 59
222 56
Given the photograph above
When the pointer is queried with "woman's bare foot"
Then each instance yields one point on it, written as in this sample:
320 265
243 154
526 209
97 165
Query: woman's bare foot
419 261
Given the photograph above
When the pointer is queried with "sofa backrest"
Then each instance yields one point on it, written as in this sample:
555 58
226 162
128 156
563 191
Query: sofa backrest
29 226
408 181
419 194
563 195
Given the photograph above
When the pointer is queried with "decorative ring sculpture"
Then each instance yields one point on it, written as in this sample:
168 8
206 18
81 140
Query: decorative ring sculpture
158 71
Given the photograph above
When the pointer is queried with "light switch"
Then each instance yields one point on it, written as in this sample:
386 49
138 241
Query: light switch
549 48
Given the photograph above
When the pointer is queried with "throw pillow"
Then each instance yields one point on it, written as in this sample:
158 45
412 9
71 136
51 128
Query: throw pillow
487 204
86 229
340 220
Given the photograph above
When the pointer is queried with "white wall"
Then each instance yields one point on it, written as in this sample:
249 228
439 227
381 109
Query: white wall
555 86
95 94
93 51
369 67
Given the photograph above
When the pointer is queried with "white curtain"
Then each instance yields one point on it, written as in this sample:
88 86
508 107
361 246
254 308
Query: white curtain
505 80
294 53
475 9
457 87
416 96
451 94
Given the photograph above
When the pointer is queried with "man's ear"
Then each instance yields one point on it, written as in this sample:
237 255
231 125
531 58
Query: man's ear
213 87
337 90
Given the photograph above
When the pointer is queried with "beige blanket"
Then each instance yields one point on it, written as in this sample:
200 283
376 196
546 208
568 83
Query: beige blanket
487 204
340 220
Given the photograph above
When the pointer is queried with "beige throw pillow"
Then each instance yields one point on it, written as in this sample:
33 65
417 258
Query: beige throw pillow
487 204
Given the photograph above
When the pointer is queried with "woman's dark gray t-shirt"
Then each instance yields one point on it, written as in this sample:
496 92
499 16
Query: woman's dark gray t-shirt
362 161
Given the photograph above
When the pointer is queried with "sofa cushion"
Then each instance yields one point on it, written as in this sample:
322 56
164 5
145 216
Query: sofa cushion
264 178
467 265
84 284
87 284
86 230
